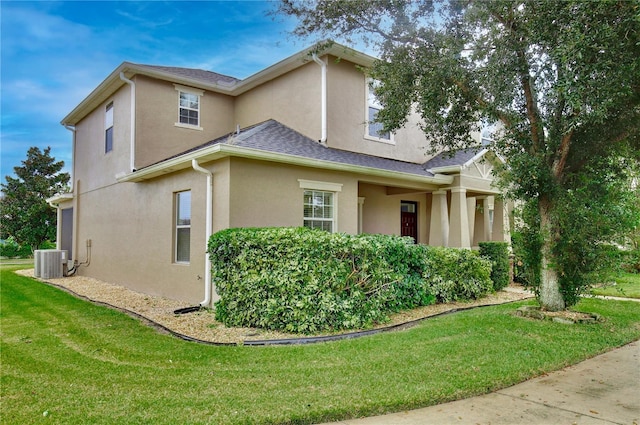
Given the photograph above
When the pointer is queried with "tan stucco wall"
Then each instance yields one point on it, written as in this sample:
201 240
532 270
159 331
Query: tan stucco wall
381 211
157 136
269 194
347 113
293 99
131 229
95 167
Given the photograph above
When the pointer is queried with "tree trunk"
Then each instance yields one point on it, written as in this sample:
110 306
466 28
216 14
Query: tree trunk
549 296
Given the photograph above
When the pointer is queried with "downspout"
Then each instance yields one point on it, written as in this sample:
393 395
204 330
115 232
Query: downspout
208 231
132 155
323 66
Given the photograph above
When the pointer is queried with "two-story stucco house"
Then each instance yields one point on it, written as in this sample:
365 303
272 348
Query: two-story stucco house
164 156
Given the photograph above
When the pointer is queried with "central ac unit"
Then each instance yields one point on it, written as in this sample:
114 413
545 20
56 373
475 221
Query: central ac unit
48 263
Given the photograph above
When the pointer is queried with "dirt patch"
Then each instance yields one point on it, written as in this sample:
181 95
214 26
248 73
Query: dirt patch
202 324
564 316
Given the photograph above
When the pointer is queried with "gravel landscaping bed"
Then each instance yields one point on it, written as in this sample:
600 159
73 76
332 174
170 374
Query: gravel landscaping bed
202 324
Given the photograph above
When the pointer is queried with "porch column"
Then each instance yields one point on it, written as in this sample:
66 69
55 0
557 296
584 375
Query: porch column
459 233
482 223
471 213
360 207
500 230
439 226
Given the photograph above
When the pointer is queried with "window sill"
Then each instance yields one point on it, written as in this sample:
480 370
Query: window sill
188 126
379 140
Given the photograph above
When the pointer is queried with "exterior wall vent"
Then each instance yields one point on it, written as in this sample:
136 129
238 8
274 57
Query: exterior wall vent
48 263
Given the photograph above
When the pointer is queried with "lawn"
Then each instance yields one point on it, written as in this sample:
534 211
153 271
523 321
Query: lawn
75 363
625 285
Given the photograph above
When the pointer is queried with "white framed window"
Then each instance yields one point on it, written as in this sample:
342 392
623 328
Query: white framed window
373 128
182 248
189 107
320 204
108 128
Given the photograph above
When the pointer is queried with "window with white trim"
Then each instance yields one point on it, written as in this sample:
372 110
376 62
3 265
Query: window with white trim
318 210
374 129
320 204
182 226
189 107
108 128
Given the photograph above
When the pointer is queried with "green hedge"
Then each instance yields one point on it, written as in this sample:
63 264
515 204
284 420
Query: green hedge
308 281
498 254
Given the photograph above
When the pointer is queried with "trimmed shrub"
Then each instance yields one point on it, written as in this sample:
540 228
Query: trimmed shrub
308 281
456 274
498 254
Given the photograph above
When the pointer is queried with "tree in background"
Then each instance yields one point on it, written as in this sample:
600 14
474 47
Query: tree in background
24 212
561 79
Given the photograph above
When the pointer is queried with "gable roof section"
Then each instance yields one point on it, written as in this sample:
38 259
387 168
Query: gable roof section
206 77
273 141
445 162
207 80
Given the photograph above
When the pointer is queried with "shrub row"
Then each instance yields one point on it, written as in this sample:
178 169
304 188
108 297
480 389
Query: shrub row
308 281
498 254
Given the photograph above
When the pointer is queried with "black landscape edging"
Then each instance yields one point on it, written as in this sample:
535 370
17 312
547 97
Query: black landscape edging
284 341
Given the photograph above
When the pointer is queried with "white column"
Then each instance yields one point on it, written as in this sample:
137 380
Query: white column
459 220
500 231
360 207
439 226
471 216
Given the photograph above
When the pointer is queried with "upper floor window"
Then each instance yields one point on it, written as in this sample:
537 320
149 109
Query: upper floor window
188 107
375 129
108 128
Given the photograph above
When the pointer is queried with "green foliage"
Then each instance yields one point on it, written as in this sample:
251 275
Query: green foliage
456 274
24 211
562 79
84 363
498 254
10 249
307 281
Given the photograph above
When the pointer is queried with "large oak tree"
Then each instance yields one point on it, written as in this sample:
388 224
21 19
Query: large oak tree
24 211
562 79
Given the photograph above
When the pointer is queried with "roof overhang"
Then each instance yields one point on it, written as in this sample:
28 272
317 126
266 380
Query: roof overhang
59 198
113 82
458 168
222 150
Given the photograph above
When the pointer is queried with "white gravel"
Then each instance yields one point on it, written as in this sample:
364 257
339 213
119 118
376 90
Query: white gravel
202 325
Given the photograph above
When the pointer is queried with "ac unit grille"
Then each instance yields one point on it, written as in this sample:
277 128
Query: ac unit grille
48 263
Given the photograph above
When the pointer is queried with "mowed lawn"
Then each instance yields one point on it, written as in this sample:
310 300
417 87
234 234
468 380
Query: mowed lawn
67 361
625 285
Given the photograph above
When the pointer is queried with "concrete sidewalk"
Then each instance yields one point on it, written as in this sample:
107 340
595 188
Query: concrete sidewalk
598 391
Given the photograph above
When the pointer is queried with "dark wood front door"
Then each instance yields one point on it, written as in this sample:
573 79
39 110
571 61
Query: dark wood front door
409 219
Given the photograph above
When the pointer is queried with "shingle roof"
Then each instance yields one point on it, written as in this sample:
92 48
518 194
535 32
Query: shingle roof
273 136
207 77
446 159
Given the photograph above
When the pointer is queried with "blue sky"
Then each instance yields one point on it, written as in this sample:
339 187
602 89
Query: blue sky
53 54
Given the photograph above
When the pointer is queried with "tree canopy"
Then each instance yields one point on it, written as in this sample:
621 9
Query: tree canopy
25 213
561 79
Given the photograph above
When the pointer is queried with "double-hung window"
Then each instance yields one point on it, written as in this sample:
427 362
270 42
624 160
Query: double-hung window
182 226
320 204
374 129
189 107
108 128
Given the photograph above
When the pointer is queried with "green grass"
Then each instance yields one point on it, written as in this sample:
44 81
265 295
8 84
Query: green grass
626 285
82 363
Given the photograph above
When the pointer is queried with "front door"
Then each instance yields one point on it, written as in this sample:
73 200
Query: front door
409 219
